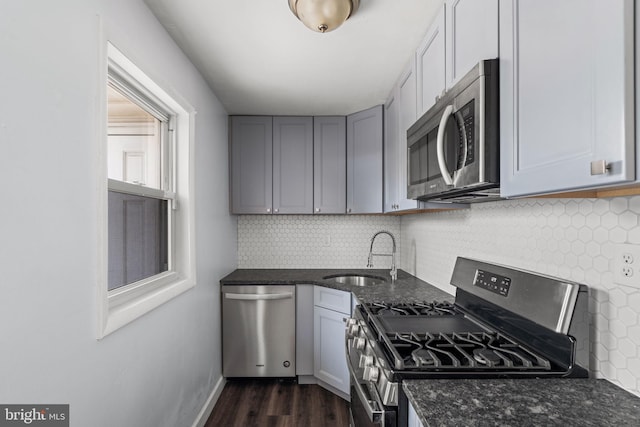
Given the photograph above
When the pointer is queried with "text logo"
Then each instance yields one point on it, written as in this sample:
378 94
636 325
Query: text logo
34 415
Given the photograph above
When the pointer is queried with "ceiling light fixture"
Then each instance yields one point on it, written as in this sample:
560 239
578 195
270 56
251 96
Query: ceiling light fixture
323 15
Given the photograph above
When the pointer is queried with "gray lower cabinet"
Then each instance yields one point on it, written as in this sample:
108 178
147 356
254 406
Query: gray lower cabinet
251 145
293 165
331 306
364 161
329 165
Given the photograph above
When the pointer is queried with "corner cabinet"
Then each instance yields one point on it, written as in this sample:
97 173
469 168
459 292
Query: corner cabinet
364 161
251 145
331 306
567 95
399 115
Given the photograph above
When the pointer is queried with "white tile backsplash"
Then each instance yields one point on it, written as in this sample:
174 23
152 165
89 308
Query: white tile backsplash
307 241
568 238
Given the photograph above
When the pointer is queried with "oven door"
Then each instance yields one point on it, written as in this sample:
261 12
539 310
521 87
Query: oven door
367 409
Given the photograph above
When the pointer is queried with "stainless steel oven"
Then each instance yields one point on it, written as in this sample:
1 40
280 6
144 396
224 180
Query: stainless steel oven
505 323
453 149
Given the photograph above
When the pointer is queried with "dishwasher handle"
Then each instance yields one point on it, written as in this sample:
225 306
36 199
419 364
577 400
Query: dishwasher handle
258 297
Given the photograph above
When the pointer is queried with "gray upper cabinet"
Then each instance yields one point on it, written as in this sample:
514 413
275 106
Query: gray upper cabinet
567 93
407 115
271 165
364 161
329 165
391 154
292 165
430 63
251 164
471 35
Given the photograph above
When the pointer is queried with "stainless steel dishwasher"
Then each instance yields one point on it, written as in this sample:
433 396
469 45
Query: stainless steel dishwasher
259 331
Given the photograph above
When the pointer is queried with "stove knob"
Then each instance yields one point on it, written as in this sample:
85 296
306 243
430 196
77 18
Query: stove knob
350 321
359 343
353 330
371 373
365 361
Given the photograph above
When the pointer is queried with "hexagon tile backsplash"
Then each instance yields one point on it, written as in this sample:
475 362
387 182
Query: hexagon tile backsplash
313 241
569 238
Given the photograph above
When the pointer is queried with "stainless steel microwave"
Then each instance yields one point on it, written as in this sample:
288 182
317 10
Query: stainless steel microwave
453 149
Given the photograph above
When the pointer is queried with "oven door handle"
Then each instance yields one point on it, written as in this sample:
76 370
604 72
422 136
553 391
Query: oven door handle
441 161
375 415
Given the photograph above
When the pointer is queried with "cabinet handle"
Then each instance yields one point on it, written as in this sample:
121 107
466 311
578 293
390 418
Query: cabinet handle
600 167
317 209
349 210
268 210
275 210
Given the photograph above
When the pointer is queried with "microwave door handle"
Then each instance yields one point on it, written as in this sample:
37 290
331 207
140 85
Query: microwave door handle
441 163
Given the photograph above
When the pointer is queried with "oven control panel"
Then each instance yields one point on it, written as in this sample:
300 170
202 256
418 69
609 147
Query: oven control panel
492 282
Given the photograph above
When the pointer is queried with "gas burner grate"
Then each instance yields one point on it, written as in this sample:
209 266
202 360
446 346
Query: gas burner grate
480 351
412 309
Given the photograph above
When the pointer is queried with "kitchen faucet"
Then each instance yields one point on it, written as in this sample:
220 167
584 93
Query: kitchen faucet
393 272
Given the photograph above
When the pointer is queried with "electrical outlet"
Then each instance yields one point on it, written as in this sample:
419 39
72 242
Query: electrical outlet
626 264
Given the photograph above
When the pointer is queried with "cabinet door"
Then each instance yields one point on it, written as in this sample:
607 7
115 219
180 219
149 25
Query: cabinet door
566 81
330 358
293 165
430 61
472 35
251 164
364 161
407 115
330 165
391 154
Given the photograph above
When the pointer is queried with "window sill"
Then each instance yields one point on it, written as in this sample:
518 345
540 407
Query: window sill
121 313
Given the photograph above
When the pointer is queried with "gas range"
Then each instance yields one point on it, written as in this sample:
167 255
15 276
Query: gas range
504 323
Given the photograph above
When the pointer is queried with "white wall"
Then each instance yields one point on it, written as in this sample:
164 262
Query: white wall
160 369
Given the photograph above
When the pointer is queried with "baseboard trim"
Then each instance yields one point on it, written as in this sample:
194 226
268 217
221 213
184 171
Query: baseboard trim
307 379
334 390
203 416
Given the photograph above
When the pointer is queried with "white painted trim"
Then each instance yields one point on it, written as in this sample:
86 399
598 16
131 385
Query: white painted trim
114 313
206 410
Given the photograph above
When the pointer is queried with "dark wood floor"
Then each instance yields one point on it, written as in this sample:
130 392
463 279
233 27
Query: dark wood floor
266 402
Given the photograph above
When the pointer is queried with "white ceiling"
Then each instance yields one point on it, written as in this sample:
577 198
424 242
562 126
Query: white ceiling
259 59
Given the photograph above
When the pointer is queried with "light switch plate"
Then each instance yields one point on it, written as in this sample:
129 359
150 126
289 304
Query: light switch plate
626 264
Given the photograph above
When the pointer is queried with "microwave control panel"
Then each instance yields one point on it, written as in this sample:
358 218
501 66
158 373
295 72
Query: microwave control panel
466 137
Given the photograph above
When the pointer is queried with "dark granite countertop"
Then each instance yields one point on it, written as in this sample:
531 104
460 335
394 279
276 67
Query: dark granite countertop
522 402
406 288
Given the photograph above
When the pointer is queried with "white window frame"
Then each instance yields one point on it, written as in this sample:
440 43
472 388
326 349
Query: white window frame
120 306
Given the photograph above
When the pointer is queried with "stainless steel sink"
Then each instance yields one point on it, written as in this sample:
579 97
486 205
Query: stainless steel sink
356 279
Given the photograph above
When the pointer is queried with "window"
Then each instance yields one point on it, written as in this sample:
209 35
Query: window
148 239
